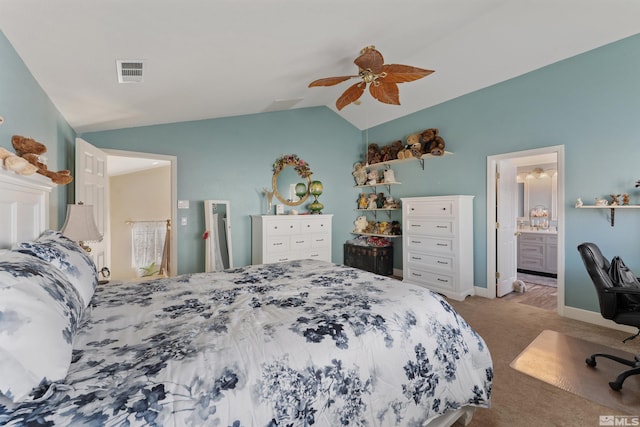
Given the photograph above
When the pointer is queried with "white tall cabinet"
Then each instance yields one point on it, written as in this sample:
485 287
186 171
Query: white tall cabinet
278 238
437 244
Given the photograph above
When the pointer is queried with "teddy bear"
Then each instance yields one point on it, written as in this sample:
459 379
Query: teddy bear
394 148
413 144
359 173
372 201
361 224
16 163
31 150
372 177
396 229
373 153
432 143
363 201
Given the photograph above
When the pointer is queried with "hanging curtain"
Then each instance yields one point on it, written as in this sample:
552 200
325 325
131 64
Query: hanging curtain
147 246
214 255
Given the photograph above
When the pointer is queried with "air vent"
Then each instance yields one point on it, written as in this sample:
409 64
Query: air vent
129 71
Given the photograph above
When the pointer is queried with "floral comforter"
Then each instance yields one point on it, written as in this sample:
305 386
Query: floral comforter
291 344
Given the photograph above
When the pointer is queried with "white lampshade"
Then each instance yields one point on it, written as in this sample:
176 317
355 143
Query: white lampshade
80 225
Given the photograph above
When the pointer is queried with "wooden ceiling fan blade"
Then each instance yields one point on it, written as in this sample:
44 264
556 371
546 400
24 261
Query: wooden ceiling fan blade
397 73
386 92
330 81
370 58
352 94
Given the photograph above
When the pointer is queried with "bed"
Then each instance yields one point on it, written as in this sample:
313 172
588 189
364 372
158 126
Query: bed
289 344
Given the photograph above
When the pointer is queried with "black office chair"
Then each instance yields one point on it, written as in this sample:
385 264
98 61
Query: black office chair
615 305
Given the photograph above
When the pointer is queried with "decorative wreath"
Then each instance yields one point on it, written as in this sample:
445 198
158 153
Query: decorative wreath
298 164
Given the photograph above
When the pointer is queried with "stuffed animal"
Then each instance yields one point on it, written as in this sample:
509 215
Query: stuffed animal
407 152
394 148
361 224
396 229
383 227
371 226
385 153
363 201
372 177
380 200
31 150
16 163
359 173
372 201
373 153
432 143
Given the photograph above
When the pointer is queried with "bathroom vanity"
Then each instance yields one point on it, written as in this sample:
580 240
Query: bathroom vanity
538 251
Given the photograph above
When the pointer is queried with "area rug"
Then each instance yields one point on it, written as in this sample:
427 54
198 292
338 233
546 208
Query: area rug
559 360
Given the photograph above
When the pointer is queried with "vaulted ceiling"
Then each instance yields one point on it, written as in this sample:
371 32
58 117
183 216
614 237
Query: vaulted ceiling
217 58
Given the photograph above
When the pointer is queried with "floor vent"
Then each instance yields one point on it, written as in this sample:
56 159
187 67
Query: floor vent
130 71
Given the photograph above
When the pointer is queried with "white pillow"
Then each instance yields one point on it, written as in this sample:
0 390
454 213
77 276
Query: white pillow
67 256
39 315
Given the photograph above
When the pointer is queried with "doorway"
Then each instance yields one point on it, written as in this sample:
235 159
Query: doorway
501 248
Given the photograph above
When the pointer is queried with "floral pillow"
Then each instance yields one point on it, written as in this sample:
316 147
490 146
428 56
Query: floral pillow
68 257
40 312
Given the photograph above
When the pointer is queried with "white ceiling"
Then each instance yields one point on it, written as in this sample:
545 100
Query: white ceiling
218 58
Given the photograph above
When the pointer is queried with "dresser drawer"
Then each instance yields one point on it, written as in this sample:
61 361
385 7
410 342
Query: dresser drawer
429 244
300 242
321 225
431 262
282 227
278 244
422 226
320 240
442 208
430 279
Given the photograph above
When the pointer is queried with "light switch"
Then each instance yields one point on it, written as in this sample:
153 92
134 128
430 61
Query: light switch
183 220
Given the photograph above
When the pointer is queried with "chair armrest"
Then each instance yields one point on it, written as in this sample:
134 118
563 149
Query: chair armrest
621 290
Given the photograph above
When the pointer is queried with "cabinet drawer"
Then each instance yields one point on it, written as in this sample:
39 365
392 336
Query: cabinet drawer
282 227
322 254
320 240
300 242
532 238
429 244
420 208
278 257
322 225
420 226
443 263
430 279
278 244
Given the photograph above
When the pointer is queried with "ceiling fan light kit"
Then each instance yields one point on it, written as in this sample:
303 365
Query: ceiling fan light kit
382 79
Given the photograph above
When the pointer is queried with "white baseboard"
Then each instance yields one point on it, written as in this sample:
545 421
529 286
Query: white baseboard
595 319
397 272
592 317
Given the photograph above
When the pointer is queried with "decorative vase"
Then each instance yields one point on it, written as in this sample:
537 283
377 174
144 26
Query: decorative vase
315 189
301 189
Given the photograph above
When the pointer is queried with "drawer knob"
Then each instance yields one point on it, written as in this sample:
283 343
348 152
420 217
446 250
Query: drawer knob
442 280
416 225
441 244
441 226
416 274
443 262
416 258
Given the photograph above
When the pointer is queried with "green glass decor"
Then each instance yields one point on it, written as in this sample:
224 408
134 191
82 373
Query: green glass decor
301 189
315 188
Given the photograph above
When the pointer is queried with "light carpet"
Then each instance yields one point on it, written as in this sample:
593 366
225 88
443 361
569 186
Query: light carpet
559 360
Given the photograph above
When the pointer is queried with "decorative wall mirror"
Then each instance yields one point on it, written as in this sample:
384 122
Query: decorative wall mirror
289 171
218 254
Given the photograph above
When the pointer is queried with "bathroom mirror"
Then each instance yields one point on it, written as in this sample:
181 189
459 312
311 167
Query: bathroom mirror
288 171
218 253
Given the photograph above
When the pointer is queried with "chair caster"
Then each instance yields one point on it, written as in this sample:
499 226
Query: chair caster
591 361
615 385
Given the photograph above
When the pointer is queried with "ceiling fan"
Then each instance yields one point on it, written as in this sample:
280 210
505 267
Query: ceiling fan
382 79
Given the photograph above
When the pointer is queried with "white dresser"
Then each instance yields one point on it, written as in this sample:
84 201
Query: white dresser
277 238
437 244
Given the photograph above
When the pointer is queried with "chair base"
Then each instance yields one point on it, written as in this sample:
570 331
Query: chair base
617 384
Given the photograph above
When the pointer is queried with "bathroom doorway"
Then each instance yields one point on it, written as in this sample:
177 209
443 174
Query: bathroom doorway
505 225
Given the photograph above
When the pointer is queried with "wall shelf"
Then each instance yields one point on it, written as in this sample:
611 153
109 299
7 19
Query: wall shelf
388 163
391 236
611 208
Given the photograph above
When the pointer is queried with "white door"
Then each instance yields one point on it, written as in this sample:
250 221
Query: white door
92 189
506 213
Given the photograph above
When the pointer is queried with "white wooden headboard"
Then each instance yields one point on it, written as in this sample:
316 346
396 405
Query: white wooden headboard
24 206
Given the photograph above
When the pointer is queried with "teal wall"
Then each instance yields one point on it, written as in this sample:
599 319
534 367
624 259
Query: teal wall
231 159
29 112
588 103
